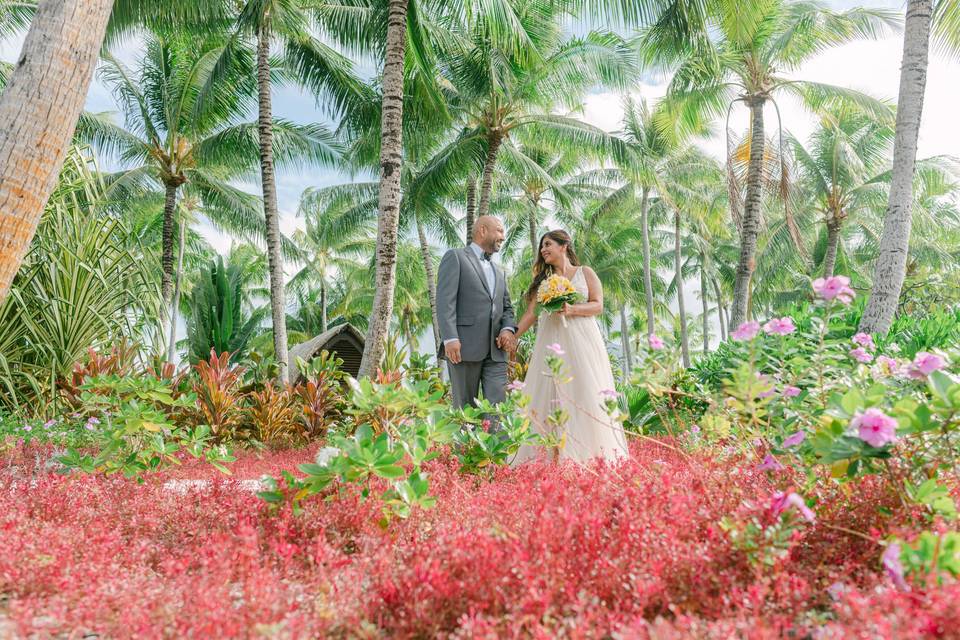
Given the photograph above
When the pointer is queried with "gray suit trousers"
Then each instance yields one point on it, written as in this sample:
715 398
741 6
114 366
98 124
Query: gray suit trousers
467 378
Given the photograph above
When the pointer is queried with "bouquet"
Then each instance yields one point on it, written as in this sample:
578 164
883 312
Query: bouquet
556 291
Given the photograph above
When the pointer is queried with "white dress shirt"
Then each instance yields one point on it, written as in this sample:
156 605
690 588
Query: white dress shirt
486 266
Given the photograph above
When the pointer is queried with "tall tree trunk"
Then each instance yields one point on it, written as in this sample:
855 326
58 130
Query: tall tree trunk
175 305
723 324
751 217
431 284
38 114
278 305
705 306
391 156
833 243
532 224
471 207
681 306
324 325
486 185
172 189
647 267
625 343
891 265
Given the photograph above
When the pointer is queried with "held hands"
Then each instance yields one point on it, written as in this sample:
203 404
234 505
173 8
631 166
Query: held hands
568 310
507 341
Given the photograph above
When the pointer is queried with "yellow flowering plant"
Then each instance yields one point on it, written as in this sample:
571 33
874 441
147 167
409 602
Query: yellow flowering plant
556 291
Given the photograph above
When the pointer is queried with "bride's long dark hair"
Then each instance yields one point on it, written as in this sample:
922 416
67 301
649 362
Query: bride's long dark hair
542 270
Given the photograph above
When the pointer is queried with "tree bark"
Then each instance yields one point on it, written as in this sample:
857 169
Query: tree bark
38 114
681 306
532 224
278 306
705 305
486 184
391 156
891 265
471 207
723 324
431 286
625 344
647 277
751 217
324 324
833 243
174 306
166 256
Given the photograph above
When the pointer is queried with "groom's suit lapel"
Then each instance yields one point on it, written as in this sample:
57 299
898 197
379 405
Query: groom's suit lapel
475 261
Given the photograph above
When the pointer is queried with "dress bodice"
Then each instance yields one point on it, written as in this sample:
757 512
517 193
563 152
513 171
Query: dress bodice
579 283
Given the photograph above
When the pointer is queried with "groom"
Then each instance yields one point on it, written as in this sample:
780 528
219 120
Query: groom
476 317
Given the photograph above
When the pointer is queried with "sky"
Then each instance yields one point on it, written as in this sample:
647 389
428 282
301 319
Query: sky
869 66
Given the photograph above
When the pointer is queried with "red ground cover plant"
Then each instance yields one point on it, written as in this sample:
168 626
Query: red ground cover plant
544 551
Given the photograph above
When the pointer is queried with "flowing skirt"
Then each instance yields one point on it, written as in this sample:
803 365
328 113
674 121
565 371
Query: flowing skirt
580 392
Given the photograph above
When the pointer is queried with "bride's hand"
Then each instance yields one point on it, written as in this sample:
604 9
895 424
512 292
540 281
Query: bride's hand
567 310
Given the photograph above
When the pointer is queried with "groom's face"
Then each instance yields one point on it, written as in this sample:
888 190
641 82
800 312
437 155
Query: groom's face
492 235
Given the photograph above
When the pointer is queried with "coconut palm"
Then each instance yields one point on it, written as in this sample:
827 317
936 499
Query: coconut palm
38 112
306 61
176 143
841 169
339 225
742 60
654 139
891 264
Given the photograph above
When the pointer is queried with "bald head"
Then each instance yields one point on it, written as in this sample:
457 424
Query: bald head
488 233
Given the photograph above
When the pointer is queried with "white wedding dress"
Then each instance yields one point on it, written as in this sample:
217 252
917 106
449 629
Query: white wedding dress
589 431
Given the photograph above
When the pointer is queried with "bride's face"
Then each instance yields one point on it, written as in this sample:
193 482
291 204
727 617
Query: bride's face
553 252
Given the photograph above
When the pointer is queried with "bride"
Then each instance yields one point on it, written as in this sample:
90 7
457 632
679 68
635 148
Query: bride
574 335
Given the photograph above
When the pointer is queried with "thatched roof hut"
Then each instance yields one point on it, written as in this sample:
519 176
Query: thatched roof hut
343 339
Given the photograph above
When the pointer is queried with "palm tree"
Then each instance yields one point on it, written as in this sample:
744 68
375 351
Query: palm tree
340 223
307 62
890 268
741 60
38 113
841 168
391 154
654 138
187 146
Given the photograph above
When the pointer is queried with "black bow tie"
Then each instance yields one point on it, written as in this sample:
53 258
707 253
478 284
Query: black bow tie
486 256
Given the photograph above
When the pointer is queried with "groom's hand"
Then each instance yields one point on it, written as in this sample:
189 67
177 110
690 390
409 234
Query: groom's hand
507 341
452 350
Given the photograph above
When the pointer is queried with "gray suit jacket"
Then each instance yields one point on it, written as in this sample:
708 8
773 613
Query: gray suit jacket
468 311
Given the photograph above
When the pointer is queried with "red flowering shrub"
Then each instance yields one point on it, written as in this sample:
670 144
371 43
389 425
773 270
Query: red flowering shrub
544 551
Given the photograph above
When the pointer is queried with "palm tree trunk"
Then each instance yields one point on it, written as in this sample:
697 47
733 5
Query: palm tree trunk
681 306
38 114
891 265
647 277
625 343
431 284
486 185
723 324
391 155
278 306
172 347
705 305
751 217
532 224
833 243
323 305
471 207
166 256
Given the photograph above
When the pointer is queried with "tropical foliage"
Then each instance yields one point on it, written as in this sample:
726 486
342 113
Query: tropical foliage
793 438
